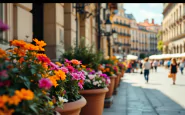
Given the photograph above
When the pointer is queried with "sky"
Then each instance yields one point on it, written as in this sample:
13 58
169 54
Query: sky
142 11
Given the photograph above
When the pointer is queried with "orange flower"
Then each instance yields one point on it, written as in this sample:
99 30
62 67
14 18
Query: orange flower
83 66
18 43
14 100
43 58
7 112
75 62
3 100
21 59
31 47
53 81
60 74
40 44
45 65
2 53
25 94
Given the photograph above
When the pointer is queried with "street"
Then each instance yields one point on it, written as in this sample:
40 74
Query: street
158 97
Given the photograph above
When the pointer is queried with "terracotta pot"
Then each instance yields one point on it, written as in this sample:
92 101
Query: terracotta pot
72 108
111 87
122 73
95 101
116 81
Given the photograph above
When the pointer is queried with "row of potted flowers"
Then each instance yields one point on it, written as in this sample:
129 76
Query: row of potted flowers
31 84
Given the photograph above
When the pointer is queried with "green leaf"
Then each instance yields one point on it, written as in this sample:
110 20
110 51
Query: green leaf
27 84
33 109
33 71
15 70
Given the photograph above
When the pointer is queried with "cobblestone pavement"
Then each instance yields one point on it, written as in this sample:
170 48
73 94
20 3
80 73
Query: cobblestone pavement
158 97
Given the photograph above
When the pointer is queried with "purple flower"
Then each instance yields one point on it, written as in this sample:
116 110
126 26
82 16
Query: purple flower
92 72
3 27
45 83
3 73
82 75
53 66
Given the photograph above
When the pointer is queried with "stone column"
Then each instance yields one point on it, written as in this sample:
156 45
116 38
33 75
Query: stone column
69 26
54 29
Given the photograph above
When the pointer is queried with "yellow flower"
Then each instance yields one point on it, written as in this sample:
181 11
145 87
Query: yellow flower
58 63
50 103
53 80
83 66
25 94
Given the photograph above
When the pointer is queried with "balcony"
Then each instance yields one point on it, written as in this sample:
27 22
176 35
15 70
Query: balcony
122 24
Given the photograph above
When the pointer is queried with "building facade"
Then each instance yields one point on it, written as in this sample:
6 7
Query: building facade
55 23
173 28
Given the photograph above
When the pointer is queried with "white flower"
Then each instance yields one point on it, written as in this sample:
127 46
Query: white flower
108 81
100 81
95 83
61 99
91 76
87 80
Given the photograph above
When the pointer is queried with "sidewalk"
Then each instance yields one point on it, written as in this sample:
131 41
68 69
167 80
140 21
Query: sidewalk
137 98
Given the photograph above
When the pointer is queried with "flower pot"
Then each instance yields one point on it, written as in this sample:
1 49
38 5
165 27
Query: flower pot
122 73
95 101
116 81
111 87
72 108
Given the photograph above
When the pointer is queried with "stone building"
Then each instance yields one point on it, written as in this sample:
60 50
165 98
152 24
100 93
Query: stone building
173 28
52 22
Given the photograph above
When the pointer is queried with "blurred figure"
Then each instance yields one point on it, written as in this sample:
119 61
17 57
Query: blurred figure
169 63
141 66
166 64
151 65
129 66
146 67
155 64
181 65
173 69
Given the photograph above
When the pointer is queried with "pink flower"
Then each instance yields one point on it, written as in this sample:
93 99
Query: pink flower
53 66
80 85
45 83
70 68
75 76
64 69
4 73
5 83
91 76
67 61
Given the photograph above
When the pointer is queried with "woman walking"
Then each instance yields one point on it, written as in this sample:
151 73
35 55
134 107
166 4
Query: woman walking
173 69
146 67
182 64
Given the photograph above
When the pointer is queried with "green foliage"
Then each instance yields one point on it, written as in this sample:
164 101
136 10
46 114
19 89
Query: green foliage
160 45
142 56
85 55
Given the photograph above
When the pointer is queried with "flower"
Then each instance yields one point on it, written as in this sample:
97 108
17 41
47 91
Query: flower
25 94
60 74
2 53
75 76
91 76
50 103
3 73
14 100
58 63
75 62
71 68
61 99
3 100
53 66
45 83
31 47
43 58
40 44
64 69
80 84
53 81
3 27
18 43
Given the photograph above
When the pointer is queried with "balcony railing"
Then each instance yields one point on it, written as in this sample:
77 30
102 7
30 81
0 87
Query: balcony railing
122 24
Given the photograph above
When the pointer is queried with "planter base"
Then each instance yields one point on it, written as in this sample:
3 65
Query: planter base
108 102
115 91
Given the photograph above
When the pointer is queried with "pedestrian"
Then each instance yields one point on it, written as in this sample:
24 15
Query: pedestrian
168 64
141 66
146 67
129 66
151 65
155 64
181 65
173 69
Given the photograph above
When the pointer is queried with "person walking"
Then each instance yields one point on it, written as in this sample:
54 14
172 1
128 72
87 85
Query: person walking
173 69
129 66
146 67
155 64
169 63
181 65
151 65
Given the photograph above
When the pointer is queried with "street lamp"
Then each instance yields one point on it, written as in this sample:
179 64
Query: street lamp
108 28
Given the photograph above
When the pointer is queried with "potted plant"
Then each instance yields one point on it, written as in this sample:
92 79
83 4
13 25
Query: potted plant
74 82
95 88
117 80
24 89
